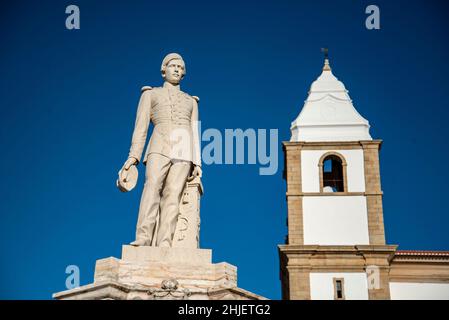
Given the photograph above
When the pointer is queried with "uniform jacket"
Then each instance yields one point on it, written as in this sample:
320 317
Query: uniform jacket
174 115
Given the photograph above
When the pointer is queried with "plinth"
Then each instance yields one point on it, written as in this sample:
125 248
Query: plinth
150 273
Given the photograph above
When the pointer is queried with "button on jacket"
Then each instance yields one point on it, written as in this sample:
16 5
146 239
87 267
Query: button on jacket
174 115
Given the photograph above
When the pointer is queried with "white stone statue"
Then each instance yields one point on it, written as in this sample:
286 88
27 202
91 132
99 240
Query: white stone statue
172 157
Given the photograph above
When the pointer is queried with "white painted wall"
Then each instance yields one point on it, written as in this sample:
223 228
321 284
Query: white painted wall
310 174
335 220
419 291
322 285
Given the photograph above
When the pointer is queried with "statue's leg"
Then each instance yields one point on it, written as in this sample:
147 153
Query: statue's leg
171 196
155 175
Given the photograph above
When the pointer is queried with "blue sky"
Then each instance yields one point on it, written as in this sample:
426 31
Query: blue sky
68 101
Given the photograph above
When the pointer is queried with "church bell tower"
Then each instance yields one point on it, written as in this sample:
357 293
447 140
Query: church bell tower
335 247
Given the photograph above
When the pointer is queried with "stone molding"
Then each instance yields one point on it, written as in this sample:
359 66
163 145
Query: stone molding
331 194
420 266
336 145
298 261
112 290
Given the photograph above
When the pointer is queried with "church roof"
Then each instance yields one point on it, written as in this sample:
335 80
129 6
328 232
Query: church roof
328 113
421 253
421 256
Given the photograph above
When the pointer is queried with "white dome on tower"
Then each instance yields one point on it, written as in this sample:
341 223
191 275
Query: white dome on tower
328 113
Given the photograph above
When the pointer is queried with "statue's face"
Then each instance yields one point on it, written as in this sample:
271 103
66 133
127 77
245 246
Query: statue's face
174 71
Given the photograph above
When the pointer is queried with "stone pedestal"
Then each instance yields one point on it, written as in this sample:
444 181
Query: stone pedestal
187 233
161 273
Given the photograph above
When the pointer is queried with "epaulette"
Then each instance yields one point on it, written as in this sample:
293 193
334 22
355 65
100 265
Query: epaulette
145 88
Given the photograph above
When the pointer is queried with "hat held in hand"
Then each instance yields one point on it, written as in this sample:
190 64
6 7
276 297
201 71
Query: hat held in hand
127 179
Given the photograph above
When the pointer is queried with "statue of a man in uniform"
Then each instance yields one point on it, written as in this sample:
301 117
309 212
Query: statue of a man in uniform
172 156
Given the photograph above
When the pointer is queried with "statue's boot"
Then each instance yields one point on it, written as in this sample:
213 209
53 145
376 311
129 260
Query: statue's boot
138 242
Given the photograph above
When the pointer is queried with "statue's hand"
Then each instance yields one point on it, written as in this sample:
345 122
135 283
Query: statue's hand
197 172
130 162
127 178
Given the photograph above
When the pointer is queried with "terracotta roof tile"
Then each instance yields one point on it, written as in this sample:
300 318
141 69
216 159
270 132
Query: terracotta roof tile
421 253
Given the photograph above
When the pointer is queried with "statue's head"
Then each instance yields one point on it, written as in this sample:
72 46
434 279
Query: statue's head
173 68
